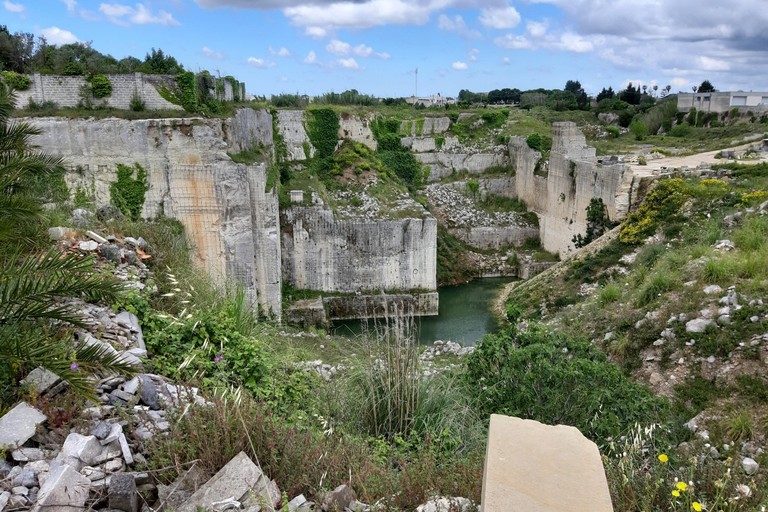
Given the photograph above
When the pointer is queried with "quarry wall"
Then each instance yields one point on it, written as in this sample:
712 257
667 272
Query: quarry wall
231 220
561 191
323 253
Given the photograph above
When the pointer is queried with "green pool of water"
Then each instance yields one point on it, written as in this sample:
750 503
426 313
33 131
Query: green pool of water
465 314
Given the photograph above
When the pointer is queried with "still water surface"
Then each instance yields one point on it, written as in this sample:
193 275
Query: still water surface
465 314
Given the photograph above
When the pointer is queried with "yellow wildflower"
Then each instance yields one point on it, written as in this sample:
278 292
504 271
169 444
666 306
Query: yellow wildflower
682 486
676 493
663 458
696 506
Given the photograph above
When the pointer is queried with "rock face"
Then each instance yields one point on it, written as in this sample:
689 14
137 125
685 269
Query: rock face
526 460
336 255
230 217
560 192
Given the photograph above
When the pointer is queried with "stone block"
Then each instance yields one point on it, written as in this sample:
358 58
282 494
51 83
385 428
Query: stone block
65 490
127 455
79 450
122 493
41 380
527 461
28 454
339 499
19 424
234 480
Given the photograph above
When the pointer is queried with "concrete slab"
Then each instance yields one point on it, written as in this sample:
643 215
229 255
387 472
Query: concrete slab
532 467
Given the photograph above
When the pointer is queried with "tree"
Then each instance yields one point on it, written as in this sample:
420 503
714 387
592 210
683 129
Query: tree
159 63
631 95
605 94
15 50
32 285
706 86
574 87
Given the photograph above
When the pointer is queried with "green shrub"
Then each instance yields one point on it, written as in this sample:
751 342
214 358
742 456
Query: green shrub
323 131
613 131
539 142
662 203
16 81
680 130
639 129
556 379
101 87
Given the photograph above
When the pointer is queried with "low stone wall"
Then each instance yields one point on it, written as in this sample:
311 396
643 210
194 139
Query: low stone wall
444 164
65 91
381 306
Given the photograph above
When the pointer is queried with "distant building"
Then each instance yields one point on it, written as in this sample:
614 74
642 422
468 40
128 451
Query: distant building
436 100
720 102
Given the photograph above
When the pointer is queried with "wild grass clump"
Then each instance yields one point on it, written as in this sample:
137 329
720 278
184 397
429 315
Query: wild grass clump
659 282
608 293
718 269
752 235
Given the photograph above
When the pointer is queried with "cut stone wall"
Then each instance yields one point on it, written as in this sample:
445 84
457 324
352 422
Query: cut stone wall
560 192
444 164
64 90
335 255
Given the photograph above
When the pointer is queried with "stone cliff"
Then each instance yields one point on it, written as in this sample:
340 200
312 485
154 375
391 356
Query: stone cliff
353 255
560 191
231 220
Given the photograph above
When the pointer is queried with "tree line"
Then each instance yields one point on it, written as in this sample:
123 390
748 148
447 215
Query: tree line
21 52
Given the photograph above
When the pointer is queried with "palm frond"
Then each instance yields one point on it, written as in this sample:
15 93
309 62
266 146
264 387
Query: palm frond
32 287
32 348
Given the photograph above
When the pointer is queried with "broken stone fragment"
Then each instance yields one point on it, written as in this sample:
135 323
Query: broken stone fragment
19 424
64 490
79 450
234 480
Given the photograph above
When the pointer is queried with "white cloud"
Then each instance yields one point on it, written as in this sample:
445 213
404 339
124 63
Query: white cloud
459 66
349 63
473 53
258 62
679 82
513 42
337 47
281 52
125 15
213 54
710 64
506 61
57 36
316 32
71 4
311 58
536 28
575 43
456 25
500 18
383 55
14 8
364 14
363 50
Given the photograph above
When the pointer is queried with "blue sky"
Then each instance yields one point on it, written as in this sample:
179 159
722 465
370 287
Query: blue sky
375 46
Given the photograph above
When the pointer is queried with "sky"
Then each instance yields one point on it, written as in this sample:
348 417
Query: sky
397 48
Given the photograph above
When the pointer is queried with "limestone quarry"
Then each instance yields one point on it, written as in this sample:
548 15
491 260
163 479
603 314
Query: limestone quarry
241 233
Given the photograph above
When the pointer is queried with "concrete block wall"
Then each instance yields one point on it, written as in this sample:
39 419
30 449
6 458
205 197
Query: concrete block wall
66 91
334 255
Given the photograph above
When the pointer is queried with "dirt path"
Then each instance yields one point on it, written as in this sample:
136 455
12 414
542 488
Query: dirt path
693 161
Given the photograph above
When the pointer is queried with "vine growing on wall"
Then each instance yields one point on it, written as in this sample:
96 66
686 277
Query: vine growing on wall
323 131
128 192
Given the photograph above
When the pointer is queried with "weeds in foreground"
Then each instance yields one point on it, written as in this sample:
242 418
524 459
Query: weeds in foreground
642 476
310 460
